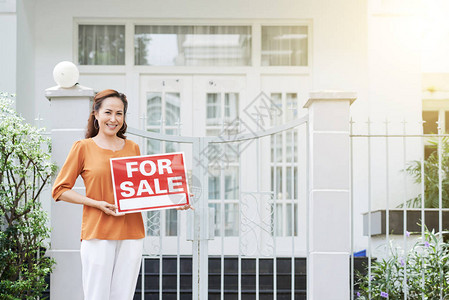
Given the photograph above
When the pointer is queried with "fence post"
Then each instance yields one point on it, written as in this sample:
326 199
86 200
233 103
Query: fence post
200 236
70 108
328 234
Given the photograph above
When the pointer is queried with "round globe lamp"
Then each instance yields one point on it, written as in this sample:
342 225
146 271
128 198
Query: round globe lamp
66 74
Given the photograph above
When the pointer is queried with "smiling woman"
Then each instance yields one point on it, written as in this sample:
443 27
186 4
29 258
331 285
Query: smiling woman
111 246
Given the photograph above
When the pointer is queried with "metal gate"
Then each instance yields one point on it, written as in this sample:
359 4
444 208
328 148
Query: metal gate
247 229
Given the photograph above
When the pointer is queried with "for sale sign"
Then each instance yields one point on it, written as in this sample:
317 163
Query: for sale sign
149 182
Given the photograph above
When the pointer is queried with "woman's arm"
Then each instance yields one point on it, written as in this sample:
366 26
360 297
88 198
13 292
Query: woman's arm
73 197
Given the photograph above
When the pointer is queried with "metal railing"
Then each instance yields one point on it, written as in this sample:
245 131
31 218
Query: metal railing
391 159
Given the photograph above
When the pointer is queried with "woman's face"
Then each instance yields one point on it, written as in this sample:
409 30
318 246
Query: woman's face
110 116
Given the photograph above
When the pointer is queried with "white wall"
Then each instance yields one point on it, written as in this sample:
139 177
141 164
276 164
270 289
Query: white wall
435 36
25 60
393 96
8 34
338 38
394 64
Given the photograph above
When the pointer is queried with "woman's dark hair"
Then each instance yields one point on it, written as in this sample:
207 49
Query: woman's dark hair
98 100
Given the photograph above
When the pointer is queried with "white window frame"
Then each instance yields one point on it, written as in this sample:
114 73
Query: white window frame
222 176
284 164
256 44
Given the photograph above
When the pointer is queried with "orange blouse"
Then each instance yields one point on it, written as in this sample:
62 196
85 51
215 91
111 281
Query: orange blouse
90 161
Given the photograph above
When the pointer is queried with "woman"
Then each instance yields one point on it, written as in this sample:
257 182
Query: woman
111 243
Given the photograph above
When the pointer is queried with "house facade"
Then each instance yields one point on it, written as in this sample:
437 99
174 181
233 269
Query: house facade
190 67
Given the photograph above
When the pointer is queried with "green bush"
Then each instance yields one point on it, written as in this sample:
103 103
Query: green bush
25 169
424 270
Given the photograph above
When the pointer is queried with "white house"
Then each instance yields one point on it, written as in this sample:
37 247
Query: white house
189 66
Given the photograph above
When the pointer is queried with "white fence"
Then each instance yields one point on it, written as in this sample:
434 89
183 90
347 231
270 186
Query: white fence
269 216
257 230
392 202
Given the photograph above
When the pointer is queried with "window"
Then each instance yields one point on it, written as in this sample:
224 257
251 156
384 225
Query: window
431 121
435 114
192 45
162 115
101 44
284 46
284 169
434 118
225 183
223 108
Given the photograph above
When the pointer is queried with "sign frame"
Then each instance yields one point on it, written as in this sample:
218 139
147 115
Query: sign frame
159 198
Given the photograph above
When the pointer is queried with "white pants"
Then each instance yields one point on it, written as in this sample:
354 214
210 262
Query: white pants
110 268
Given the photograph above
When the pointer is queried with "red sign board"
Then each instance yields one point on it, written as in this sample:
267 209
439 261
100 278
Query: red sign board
149 182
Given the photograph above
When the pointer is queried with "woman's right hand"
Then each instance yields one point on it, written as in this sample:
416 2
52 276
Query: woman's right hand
73 197
108 208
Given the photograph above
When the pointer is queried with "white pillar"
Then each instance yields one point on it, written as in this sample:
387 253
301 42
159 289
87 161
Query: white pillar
329 206
70 108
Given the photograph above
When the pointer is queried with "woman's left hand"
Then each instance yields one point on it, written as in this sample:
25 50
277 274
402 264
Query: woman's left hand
187 206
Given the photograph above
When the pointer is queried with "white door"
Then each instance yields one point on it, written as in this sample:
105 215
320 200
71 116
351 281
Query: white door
219 101
194 106
249 178
287 168
166 106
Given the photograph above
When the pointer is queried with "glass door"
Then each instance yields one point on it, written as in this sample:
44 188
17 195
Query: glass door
219 101
166 107
287 171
